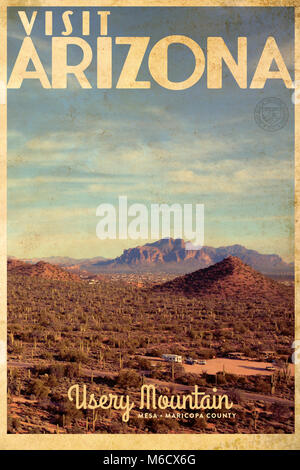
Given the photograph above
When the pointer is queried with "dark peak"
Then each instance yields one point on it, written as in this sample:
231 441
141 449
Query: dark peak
168 242
233 261
229 266
237 245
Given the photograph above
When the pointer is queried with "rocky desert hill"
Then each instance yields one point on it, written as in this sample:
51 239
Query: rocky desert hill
41 269
230 279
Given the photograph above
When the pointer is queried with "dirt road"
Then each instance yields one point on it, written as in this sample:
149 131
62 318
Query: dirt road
231 366
246 396
234 366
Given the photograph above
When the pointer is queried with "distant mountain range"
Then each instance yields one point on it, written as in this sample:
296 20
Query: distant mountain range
170 256
64 261
41 270
230 279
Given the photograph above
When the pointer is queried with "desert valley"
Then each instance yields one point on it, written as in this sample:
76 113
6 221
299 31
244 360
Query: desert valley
216 318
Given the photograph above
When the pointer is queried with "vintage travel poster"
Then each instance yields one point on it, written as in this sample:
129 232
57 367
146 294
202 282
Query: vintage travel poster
148 267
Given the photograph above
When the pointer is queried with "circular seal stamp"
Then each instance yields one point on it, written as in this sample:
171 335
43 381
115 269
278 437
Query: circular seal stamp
271 114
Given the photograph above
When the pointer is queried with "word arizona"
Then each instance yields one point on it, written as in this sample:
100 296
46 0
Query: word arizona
217 53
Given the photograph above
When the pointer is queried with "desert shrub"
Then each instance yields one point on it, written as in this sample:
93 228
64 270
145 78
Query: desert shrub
178 370
193 334
206 353
116 427
220 378
14 385
56 397
242 381
161 425
47 355
38 389
129 378
57 370
72 355
234 396
262 386
280 411
199 423
13 425
187 379
16 348
35 430
210 378
191 379
52 381
154 352
72 370
144 364
137 422
39 370
67 413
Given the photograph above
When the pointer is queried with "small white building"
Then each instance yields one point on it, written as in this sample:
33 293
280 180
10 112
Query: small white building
172 357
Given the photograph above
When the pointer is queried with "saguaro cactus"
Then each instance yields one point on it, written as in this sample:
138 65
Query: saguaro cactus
255 416
273 383
94 419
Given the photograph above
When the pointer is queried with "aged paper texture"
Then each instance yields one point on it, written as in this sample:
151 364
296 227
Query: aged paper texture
149 224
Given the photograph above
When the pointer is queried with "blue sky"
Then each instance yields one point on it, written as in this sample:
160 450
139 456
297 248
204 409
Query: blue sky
70 150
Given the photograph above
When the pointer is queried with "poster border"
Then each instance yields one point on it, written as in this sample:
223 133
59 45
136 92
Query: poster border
137 441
